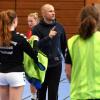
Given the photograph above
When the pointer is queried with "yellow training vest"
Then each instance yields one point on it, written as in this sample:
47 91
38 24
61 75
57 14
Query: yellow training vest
34 74
85 76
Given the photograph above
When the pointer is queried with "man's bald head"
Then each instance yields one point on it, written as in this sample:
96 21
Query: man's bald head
46 7
48 12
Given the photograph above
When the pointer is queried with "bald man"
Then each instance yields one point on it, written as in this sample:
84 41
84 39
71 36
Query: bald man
53 43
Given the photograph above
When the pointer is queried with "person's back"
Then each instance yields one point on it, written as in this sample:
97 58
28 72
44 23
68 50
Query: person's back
85 59
84 50
13 55
12 47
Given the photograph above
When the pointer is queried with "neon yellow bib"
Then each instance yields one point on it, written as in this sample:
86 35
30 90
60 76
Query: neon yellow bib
30 67
85 76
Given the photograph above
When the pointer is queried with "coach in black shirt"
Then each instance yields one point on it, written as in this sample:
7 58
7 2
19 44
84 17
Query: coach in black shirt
52 41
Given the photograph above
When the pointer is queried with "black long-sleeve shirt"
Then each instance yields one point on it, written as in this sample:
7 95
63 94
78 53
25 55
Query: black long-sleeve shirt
68 58
51 47
11 58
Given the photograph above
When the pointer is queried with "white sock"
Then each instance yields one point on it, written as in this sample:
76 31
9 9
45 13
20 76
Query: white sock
34 96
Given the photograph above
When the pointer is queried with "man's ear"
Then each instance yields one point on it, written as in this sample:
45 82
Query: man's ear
14 21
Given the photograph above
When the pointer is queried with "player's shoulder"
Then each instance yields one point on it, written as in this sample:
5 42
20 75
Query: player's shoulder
21 35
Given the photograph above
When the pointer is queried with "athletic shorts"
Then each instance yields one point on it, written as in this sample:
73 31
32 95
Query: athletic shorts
12 79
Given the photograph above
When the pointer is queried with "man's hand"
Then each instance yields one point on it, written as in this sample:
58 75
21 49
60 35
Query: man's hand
52 32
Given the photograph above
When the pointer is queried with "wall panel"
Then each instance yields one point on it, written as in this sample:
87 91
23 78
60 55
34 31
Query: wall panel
7 4
89 2
67 12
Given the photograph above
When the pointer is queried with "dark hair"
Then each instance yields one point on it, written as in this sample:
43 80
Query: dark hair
89 18
6 19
